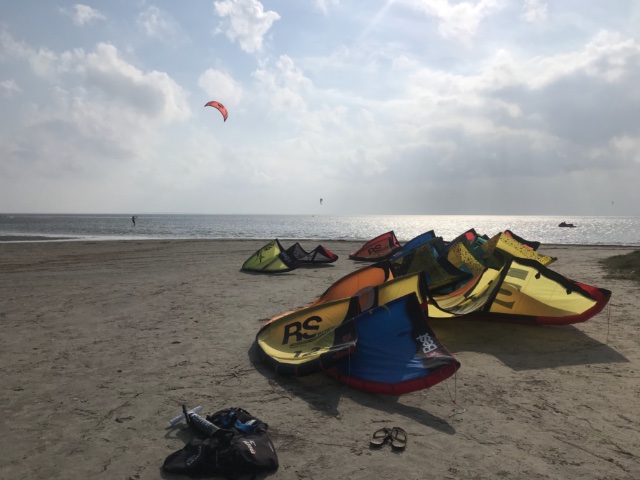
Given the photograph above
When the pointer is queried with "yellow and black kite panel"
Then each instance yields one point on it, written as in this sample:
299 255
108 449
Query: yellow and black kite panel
400 287
512 247
271 258
532 290
470 298
522 291
463 257
311 339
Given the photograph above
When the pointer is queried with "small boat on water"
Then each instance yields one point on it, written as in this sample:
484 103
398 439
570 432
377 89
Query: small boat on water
565 224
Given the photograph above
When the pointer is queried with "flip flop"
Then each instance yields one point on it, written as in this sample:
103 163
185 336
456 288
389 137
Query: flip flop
398 438
380 437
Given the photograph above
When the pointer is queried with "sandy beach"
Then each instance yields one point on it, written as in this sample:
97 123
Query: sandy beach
102 342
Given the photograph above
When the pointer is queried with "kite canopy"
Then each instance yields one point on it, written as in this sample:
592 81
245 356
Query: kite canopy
415 242
461 254
220 107
354 282
424 245
532 245
380 248
317 255
370 328
271 258
397 352
309 340
502 246
522 291
427 257
388 348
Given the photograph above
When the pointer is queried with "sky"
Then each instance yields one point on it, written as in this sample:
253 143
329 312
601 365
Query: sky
391 107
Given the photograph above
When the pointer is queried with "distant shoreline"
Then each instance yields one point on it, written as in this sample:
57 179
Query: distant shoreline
41 238
30 238
594 231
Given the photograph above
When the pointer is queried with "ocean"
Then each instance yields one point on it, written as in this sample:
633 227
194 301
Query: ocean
623 231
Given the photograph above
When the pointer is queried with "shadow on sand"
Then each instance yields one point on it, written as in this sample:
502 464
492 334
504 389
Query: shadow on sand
519 347
324 394
525 347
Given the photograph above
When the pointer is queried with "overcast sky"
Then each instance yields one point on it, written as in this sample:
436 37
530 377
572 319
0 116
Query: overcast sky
378 107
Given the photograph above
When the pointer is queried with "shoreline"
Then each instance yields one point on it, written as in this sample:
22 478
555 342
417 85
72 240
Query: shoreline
30 238
105 340
8 239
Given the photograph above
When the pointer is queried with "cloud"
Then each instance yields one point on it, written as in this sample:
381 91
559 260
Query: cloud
627 147
535 11
444 125
285 85
530 120
83 14
221 86
538 116
43 62
100 112
9 88
323 5
156 23
152 94
543 118
456 20
113 78
245 21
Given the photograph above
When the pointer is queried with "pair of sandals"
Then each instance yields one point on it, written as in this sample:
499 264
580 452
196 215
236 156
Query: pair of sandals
396 436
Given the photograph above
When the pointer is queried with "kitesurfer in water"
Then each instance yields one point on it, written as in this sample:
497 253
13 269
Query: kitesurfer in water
133 219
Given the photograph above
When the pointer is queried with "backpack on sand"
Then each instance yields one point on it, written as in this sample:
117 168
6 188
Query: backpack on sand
240 447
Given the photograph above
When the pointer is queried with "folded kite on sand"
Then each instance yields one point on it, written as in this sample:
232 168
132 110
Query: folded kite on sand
389 349
271 258
370 328
521 291
311 339
396 352
315 256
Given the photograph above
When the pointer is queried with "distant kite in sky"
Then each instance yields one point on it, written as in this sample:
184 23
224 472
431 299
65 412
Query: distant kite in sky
320 201
219 106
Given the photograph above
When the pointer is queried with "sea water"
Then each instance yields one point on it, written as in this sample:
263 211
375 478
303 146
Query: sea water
624 231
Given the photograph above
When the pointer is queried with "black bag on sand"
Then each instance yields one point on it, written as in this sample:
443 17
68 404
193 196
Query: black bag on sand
241 447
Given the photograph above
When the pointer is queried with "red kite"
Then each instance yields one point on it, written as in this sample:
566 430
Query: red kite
219 106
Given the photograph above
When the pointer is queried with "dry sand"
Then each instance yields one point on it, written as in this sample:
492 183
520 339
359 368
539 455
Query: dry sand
102 342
